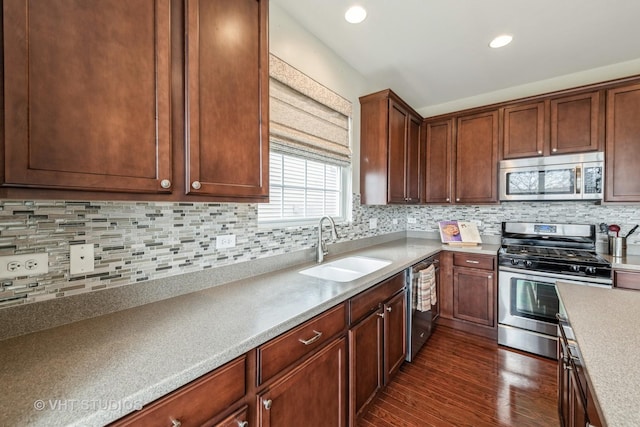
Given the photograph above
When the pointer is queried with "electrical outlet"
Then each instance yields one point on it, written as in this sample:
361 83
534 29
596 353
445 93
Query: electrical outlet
226 241
395 221
24 265
373 223
411 220
81 260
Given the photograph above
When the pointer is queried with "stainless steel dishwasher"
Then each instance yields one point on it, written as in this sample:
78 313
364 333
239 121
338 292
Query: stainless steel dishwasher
419 323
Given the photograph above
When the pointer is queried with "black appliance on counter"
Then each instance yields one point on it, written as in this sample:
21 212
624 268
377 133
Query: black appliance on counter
532 257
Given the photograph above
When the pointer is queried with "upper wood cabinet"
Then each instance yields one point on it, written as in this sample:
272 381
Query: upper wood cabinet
462 159
389 150
87 94
556 125
439 151
476 158
102 97
227 94
622 154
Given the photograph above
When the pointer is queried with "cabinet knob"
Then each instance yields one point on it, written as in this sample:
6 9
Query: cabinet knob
165 183
457 199
448 199
243 423
539 151
554 150
267 404
389 309
380 314
196 185
175 423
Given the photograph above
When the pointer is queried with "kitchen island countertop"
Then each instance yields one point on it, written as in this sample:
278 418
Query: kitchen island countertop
92 372
606 324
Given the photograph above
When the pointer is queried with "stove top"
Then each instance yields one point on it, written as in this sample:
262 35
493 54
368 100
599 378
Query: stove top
567 249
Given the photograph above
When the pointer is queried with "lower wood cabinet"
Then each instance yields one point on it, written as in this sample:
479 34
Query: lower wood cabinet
626 279
198 403
377 343
312 395
318 374
468 296
576 406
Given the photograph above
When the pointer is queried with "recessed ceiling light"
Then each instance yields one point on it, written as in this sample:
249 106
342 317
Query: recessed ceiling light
500 41
355 14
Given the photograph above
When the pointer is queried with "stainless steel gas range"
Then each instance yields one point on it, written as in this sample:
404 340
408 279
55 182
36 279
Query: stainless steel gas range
532 257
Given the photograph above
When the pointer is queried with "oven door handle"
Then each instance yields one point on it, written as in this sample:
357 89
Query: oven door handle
578 180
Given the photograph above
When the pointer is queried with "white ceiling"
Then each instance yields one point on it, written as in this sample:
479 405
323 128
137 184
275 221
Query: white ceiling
432 52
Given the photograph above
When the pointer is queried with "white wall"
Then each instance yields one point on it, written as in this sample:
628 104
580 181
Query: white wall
302 50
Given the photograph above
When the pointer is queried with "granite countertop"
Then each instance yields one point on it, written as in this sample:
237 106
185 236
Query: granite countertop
94 371
606 324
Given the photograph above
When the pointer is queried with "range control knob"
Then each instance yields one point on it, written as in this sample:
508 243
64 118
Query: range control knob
527 263
574 268
590 270
514 261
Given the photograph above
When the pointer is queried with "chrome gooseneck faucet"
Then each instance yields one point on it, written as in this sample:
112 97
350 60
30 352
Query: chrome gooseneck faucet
322 248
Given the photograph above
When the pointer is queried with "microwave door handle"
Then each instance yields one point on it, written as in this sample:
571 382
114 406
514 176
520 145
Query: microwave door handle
578 180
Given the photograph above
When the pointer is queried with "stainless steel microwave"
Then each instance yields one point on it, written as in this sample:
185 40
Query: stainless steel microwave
565 177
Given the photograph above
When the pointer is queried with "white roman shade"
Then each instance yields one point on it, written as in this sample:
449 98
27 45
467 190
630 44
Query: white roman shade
306 118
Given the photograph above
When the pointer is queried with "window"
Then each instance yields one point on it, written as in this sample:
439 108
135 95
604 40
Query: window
303 190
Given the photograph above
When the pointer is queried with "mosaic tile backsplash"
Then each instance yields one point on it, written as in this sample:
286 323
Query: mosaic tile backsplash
136 242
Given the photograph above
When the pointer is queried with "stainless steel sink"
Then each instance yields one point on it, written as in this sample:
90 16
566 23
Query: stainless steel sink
346 269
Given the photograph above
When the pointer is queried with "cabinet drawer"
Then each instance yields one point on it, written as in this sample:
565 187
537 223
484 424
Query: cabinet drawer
626 279
282 351
369 300
197 402
486 262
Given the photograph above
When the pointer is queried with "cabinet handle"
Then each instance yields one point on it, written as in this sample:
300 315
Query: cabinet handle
389 309
267 404
471 261
175 423
380 314
310 340
243 423
165 183
196 185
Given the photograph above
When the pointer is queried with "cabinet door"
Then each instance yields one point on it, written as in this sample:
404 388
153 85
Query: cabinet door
523 131
87 93
563 384
438 161
623 149
395 334
577 408
312 395
398 118
575 123
365 362
413 160
227 98
474 296
477 158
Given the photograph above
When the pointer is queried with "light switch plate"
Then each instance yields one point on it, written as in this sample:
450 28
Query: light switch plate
411 220
81 259
373 223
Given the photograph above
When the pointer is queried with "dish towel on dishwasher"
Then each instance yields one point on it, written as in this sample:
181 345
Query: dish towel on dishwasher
426 289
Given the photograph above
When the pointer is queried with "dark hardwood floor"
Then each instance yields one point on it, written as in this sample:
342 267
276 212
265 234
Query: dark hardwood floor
459 379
